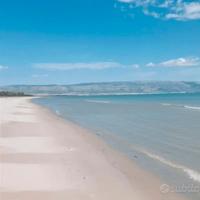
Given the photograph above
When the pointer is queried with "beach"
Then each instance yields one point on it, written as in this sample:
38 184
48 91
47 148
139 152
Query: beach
43 156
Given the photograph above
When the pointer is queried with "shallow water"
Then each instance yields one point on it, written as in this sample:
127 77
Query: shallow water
160 132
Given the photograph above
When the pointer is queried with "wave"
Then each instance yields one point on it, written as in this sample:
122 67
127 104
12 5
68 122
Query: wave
192 107
172 105
166 104
183 106
101 94
109 93
192 174
97 101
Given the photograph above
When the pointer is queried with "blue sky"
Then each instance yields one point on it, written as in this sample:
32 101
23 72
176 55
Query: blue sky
67 41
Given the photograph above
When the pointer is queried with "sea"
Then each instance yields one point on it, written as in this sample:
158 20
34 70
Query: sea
160 132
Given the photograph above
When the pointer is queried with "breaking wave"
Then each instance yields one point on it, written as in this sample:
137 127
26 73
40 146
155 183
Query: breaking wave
97 101
192 107
166 104
192 174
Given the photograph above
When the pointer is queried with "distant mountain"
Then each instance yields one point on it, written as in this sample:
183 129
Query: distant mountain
108 88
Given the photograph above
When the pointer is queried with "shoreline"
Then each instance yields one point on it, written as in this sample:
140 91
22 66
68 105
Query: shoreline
91 168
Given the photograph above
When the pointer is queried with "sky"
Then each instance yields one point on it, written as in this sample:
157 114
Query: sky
77 41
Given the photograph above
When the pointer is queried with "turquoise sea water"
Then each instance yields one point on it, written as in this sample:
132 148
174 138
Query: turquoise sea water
160 132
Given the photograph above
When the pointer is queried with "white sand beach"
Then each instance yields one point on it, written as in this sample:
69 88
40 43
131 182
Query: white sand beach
45 157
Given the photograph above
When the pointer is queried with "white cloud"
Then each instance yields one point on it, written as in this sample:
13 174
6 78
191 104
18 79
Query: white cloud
2 67
179 62
136 66
75 66
126 1
153 14
181 10
186 11
150 64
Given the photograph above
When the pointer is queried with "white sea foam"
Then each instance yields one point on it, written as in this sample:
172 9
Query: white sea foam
110 93
97 101
166 104
183 106
192 174
192 107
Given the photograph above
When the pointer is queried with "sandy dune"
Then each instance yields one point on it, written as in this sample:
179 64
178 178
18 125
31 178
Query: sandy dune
44 157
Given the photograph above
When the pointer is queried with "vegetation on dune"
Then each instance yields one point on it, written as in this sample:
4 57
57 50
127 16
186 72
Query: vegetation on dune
12 94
